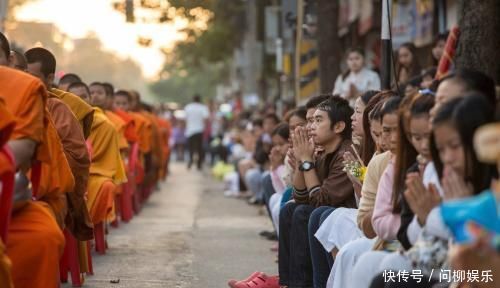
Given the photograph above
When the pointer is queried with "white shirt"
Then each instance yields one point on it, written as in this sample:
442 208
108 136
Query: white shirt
434 224
196 114
364 80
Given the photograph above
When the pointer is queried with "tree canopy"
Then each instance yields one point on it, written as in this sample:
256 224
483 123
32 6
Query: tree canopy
197 64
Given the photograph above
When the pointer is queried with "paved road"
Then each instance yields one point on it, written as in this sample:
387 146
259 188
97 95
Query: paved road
187 235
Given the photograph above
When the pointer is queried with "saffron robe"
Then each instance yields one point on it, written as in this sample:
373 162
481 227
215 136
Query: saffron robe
34 224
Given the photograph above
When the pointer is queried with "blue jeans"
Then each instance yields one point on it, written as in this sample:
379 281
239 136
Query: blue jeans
322 260
295 269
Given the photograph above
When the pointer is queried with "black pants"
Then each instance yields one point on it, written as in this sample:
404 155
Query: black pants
295 267
195 145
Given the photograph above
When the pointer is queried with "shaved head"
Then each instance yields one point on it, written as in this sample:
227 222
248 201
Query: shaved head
18 62
68 79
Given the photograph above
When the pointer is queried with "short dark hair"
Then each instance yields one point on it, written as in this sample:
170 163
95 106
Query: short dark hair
23 64
125 94
338 110
358 50
273 117
110 89
98 84
257 122
69 78
300 112
78 85
44 57
282 130
197 98
4 43
474 80
314 101
365 97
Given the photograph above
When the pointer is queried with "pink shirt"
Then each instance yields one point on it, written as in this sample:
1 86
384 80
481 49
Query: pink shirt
385 223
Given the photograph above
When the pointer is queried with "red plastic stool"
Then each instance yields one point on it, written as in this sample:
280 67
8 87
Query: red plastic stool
100 238
126 212
118 208
89 259
70 261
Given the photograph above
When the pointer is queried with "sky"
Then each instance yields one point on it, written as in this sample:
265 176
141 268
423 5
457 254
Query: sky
78 18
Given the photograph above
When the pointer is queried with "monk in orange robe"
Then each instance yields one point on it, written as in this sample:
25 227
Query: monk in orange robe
33 225
165 132
135 133
7 124
42 64
106 169
147 143
78 220
156 149
100 97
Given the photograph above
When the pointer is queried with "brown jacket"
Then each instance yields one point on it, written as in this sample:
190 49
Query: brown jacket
336 189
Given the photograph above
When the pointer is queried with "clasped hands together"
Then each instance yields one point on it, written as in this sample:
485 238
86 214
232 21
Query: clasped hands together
422 200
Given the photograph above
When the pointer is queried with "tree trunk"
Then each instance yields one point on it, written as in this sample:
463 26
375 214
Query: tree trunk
328 43
479 42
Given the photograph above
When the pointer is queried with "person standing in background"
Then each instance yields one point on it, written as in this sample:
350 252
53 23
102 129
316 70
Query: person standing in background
357 79
196 120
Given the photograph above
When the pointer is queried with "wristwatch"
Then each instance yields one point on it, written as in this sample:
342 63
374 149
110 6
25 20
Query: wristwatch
306 166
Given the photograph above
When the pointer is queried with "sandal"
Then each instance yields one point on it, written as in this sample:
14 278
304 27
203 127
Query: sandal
261 281
233 283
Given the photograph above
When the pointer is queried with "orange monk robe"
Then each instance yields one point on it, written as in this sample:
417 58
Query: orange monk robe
83 111
106 169
56 177
143 126
143 132
119 124
75 149
7 124
35 242
136 173
165 132
130 125
156 147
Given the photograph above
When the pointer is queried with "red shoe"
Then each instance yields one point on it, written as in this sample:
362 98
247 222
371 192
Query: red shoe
232 283
262 281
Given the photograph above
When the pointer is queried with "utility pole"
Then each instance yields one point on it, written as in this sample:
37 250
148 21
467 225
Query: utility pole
385 68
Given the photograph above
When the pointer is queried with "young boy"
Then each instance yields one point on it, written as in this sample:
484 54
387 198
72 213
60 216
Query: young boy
317 182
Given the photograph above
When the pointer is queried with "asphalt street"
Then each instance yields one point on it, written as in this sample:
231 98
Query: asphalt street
187 235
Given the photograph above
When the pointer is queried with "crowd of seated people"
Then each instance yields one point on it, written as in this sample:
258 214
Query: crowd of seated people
378 189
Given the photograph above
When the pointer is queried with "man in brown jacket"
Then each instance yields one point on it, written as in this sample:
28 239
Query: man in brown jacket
319 185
